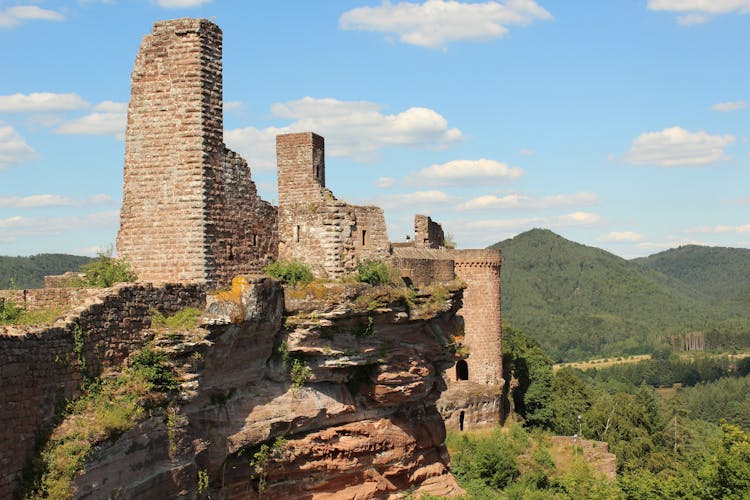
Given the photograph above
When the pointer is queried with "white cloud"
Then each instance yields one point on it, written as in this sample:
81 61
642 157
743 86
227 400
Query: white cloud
355 129
51 200
232 105
516 200
385 182
437 22
576 219
622 236
108 118
700 11
526 152
179 4
721 228
41 101
15 15
17 226
729 106
467 171
421 198
566 220
13 149
676 146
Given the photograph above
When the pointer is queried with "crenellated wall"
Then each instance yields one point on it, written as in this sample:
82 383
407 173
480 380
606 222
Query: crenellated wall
42 367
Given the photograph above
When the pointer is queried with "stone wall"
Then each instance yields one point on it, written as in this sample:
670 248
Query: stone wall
480 270
427 234
423 266
190 212
48 298
62 280
328 234
40 367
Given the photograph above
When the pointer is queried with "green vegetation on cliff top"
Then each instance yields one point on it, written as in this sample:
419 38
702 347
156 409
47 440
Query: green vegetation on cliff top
581 302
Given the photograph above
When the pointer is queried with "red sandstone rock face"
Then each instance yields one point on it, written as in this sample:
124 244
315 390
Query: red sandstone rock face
363 425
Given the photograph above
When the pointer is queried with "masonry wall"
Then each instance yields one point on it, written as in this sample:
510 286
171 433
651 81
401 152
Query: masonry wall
313 226
190 212
40 368
422 266
48 298
427 234
480 269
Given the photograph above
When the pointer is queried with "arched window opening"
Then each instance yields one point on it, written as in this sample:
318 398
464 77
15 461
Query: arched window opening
462 370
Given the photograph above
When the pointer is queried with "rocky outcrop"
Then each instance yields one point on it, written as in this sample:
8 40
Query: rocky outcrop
327 392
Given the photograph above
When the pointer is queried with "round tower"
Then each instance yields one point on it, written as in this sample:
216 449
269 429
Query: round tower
480 269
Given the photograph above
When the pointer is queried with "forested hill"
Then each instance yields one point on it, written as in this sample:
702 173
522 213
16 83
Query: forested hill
29 272
581 302
720 274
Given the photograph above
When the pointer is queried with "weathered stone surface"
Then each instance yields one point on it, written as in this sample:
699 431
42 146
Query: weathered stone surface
362 423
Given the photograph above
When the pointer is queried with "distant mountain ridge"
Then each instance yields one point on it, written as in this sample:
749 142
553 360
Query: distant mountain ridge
581 302
29 272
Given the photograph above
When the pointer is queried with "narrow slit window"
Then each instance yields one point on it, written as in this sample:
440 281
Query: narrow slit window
364 237
296 233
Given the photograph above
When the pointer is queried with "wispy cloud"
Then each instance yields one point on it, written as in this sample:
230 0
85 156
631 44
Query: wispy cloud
51 200
725 107
700 11
565 220
417 198
721 228
517 200
466 172
14 227
622 237
435 23
41 102
13 149
355 129
385 182
675 147
108 118
13 16
180 4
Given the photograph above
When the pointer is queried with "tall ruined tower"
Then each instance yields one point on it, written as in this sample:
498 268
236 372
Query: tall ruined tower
190 212
301 168
480 269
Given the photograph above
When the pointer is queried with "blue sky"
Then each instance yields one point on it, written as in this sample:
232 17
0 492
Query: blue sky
620 124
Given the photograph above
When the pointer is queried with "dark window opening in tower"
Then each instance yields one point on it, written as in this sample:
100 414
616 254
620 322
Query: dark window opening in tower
462 370
461 421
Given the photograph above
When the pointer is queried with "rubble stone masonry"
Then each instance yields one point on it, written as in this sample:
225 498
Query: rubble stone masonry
427 234
190 212
41 367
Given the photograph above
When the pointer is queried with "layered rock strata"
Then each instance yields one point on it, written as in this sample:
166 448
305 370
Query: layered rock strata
327 391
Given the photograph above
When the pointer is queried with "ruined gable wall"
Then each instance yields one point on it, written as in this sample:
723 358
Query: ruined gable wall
480 269
427 234
40 368
241 229
314 227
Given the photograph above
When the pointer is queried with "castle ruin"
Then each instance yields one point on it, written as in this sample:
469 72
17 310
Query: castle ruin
191 213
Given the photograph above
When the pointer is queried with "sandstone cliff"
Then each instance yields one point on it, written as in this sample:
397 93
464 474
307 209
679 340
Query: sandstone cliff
328 392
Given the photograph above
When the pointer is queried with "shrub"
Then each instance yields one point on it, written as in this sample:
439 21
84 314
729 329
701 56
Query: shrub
154 368
105 271
9 311
184 319
376 272
290 272
299 373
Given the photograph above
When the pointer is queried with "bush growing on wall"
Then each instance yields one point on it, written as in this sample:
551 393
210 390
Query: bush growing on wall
105 271
376 272
290 272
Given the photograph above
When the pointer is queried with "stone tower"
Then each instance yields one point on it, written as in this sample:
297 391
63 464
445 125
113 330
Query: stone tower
314 227
480 269
190 212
